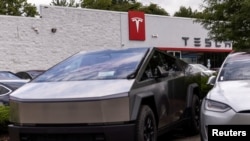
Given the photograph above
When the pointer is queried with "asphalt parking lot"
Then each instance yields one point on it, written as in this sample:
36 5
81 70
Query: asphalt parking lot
178 136
190 138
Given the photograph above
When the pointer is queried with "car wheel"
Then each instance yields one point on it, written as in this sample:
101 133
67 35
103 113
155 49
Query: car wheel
146 129
193 126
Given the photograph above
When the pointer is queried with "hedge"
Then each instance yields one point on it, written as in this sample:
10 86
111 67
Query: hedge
4 118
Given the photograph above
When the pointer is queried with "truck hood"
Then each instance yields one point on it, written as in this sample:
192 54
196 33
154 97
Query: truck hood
72 90
233 93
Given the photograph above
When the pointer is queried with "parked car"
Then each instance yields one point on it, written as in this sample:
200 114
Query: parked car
203 70
29 74
126 94
4 94
8 83
227 103
8 75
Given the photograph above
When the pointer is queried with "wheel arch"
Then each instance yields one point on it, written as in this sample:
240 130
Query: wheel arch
193 89
144 99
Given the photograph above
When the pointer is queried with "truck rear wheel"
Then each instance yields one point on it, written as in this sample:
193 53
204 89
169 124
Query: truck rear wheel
146 125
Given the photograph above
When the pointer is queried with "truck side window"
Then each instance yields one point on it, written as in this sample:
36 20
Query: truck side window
151 69
169 64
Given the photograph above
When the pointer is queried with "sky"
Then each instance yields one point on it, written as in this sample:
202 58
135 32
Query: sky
171 6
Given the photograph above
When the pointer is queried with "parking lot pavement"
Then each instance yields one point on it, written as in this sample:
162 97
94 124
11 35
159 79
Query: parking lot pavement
192 138
178 136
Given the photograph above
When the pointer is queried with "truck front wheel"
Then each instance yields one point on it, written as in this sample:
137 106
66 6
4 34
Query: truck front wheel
146 125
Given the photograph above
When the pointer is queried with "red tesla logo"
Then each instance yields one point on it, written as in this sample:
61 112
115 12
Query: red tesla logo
136 25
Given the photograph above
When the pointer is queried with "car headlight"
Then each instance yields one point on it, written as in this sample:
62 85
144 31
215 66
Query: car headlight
216 106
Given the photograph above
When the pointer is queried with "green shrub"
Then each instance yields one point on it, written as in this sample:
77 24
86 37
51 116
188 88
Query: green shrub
4 118
205 88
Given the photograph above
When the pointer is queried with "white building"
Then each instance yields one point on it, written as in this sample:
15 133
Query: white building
38 43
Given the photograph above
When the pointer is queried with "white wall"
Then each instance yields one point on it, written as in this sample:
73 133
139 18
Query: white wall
28 43
169 31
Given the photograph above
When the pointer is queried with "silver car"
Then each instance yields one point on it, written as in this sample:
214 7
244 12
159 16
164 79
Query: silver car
227 103
203 70
108 95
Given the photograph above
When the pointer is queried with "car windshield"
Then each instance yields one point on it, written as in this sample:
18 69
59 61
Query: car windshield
107 64
236 70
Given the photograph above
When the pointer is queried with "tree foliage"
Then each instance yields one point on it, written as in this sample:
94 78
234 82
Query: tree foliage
228 20
187 12
66 3
123 5
184 12
17 8
126 6
96 4
154 9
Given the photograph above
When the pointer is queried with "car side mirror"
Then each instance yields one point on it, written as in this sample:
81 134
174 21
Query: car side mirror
211 80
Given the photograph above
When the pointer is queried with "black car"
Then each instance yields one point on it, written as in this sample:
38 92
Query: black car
125 94
8 83
8 75
29 74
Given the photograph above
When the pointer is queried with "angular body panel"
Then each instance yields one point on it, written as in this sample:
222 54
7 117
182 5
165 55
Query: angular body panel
111 89
77 112
73 91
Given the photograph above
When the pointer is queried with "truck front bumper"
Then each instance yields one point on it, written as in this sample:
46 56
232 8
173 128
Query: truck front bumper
122 132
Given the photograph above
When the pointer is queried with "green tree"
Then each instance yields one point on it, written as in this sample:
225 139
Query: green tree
65 3
96 4
122 1
17 8
123 5
126 6
228 20
154 9
184 12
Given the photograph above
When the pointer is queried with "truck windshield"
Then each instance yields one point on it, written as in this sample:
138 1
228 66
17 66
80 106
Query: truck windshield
106 64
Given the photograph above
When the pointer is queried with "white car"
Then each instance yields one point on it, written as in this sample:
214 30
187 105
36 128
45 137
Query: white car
203 69
227 103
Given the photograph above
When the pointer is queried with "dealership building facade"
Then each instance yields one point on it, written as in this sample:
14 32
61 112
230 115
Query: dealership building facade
59 32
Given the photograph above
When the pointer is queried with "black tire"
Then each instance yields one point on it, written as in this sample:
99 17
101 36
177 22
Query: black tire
146 129
193 126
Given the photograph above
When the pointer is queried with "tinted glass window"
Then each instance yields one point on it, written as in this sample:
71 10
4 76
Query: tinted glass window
4 90
108 64
162 61
237 70
169 63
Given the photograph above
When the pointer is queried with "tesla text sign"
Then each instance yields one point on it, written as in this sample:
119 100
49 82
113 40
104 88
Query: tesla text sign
198 42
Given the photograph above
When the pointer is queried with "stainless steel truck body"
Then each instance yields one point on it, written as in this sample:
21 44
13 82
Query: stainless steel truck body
124 94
